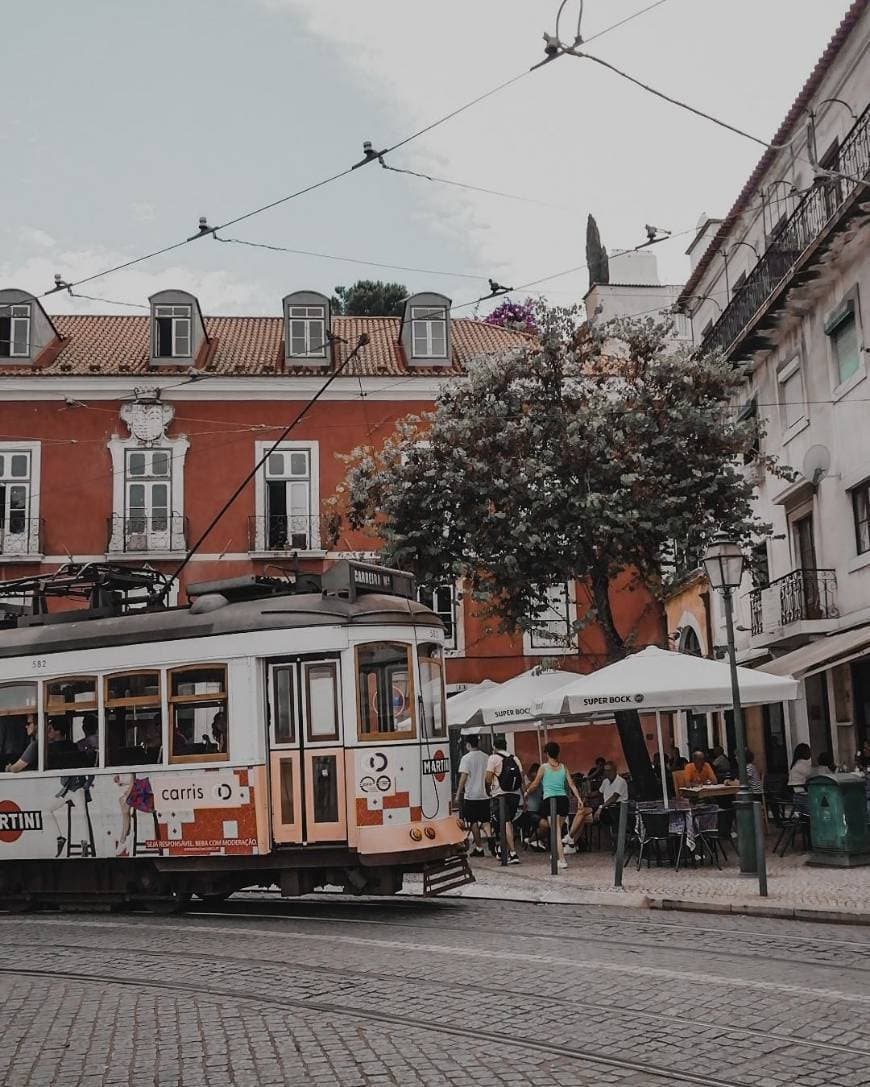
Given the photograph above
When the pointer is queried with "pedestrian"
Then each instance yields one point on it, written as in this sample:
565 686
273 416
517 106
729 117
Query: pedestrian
471 798
555 782
504 777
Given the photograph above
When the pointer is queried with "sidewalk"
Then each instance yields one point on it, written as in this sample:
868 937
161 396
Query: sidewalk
794 889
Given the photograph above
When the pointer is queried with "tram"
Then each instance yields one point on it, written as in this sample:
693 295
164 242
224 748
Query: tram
275 732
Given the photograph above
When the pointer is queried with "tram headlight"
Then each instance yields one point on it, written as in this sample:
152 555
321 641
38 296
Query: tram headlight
430 833
416 834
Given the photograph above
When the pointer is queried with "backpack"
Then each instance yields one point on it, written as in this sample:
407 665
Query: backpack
510 778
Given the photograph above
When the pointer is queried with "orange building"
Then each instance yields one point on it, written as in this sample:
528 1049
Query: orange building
121 436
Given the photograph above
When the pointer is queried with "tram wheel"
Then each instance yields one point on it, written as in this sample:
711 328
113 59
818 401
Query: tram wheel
174 902
215 898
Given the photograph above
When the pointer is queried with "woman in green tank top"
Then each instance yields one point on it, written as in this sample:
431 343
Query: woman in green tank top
555 781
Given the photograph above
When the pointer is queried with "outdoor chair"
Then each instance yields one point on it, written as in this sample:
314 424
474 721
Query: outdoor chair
656 829
709 833
796 822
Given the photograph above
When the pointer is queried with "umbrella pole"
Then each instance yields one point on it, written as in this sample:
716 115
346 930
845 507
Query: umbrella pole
662 767
540 745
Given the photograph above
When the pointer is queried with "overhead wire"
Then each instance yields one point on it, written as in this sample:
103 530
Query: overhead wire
349 260
476 188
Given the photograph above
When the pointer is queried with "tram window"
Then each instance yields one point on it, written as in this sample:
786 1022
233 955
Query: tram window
134 719
432 689
198 713
71 723
285 722
385 691
321 696
17 707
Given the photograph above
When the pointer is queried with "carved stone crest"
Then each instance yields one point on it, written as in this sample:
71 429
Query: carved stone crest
147 417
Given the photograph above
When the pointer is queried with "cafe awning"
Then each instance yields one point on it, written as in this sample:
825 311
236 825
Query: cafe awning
821 654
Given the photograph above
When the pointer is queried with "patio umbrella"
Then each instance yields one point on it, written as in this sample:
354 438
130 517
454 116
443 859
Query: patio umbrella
461 706
656 679
518 701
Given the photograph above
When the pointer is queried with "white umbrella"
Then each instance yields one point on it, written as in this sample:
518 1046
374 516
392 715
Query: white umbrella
460 706
655 680
519 700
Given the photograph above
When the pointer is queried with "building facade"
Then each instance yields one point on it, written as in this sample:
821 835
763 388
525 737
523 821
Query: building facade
781 287
123 436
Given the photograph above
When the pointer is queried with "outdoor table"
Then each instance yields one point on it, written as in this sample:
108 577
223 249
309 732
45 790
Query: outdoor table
685 821
697 793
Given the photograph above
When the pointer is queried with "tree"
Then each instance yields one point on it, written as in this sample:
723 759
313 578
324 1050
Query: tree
519 316
581 456
596 255
370 298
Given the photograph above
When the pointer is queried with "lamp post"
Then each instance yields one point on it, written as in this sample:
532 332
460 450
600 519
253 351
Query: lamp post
723 561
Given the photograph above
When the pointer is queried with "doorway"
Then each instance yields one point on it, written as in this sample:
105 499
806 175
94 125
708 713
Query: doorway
306 759
818 715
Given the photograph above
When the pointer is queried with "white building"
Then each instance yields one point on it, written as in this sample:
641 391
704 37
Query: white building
634 290
781 286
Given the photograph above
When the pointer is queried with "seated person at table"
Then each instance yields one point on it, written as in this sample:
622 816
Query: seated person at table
721 763
699 771
753 777
596 774
613 789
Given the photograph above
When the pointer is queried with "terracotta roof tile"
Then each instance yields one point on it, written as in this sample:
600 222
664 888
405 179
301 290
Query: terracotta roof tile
107 345
840 36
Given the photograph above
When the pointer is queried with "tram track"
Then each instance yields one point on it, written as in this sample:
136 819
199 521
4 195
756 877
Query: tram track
681 1021
474 1035
408 903
797 945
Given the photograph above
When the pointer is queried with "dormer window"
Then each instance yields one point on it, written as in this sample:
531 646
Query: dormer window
15 331
172 332
306 327
428 332
306 331
425 329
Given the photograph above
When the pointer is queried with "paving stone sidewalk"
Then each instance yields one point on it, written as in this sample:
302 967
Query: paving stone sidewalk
793 886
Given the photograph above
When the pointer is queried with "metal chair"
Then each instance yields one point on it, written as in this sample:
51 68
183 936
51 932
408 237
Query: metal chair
796 822
655 829
709 833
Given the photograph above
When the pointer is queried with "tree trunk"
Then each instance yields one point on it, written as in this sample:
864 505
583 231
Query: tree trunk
627 721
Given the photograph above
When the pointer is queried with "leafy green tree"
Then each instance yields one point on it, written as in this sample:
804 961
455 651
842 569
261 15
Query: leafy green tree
596 255
370 298
582 456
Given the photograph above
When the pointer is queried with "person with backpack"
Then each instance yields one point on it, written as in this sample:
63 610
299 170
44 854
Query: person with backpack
504 777
554 778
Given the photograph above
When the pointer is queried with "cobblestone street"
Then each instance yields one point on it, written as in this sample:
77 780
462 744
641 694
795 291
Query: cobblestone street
264 992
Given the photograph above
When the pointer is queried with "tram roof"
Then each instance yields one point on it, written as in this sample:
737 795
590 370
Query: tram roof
277 612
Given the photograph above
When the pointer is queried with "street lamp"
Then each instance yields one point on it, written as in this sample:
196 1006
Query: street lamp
723 561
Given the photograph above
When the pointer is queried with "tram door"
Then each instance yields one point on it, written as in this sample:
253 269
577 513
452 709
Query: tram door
306 760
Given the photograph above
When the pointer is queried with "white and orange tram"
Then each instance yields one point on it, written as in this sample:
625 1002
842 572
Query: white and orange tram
261 736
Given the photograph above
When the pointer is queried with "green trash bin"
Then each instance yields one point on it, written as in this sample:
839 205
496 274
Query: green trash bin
838 820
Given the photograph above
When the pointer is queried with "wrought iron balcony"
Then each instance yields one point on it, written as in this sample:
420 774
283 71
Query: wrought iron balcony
802 595
808 221
141 533
20 536
284 532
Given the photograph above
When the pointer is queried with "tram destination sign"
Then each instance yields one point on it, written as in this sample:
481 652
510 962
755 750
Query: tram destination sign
352 579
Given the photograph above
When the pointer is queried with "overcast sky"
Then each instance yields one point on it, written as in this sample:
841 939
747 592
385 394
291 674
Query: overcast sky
124 122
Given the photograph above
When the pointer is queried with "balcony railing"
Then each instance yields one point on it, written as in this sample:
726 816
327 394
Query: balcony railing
284 532
140 533
799 231
799 596
20 536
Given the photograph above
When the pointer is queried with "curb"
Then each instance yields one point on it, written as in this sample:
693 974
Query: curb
835 917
